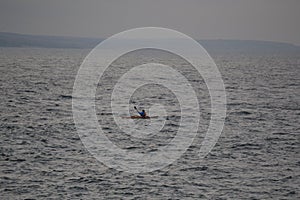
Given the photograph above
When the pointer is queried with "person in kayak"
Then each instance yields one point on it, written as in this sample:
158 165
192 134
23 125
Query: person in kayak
143 113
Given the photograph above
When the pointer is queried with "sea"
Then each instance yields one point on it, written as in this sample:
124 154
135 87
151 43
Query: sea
42 155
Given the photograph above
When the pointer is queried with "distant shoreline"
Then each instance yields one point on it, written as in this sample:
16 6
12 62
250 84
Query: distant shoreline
244 46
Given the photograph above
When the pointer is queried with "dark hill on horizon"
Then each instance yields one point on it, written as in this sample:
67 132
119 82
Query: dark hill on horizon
220 45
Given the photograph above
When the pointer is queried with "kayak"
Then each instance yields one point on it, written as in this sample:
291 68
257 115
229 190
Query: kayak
137 117
140 117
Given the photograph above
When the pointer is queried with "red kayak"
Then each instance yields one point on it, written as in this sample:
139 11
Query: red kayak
140 117
137 117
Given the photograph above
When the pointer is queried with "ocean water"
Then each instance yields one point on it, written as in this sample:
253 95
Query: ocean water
42 156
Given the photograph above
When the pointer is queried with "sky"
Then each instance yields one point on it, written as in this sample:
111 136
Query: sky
270 20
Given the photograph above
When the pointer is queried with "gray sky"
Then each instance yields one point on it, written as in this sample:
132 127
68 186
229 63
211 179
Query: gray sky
272 20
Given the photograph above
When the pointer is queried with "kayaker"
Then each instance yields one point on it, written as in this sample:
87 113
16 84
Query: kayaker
143 113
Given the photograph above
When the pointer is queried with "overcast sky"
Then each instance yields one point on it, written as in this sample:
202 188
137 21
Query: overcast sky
272 20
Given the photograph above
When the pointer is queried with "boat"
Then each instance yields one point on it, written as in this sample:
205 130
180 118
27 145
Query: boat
140 117
137 117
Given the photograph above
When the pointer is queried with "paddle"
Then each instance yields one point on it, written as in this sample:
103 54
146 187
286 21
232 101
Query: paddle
135 108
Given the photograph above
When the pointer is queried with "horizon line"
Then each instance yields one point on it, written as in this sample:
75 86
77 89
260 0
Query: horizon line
103 38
